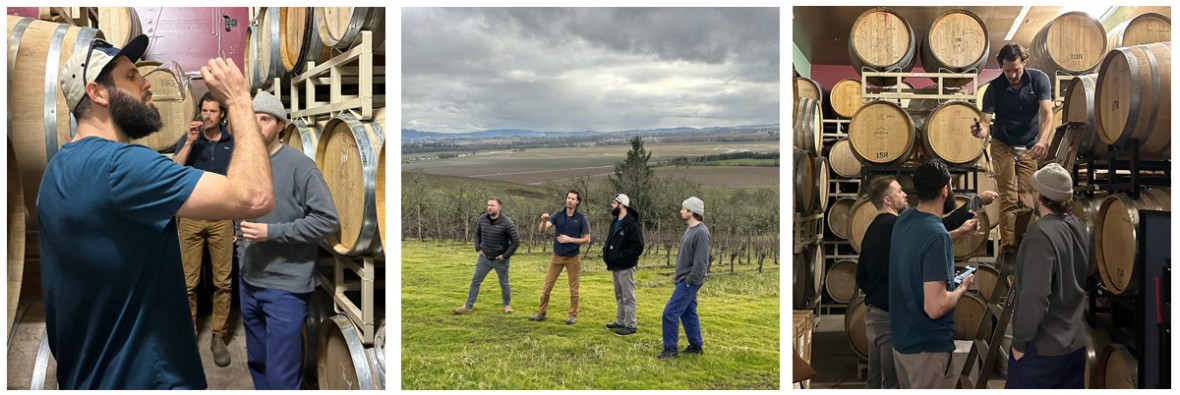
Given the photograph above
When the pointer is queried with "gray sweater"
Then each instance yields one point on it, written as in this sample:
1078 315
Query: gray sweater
1050 294
692 261
304 213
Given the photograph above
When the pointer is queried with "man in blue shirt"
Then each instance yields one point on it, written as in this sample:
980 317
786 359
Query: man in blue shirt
208 146
110 258
572 231
1021 101
922 294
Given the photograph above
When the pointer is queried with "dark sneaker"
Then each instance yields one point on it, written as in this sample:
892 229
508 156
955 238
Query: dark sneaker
613 325
691 349
571 320
537 317
220 352
625 331
666 354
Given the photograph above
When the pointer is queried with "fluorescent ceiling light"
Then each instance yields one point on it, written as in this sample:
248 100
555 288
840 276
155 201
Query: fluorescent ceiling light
1016 23
1095 11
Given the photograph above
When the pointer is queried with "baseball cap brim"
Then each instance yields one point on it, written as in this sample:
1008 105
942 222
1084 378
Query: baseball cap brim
134 49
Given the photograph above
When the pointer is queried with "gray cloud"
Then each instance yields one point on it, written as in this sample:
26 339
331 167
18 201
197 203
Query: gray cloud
468 69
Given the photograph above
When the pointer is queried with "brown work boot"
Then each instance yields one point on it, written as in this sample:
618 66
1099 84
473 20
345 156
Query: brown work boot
462 310
220 351
537 317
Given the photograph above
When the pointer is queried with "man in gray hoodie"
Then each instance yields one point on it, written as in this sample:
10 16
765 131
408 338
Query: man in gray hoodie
692 265
1048 331
278 254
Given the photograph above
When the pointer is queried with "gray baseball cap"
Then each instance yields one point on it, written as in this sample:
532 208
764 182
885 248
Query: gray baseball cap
76 73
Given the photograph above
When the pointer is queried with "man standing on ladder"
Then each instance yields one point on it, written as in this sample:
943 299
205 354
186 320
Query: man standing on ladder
1021 101
278 257
1048 329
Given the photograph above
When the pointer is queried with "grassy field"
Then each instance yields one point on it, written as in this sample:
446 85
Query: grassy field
726 176
491 350
536 166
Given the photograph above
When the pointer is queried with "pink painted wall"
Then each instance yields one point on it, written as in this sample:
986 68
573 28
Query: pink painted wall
27 12
193 35
827 76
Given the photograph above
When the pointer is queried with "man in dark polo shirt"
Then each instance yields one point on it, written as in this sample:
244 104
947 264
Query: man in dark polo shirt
1021 102
208 146
872 269
572 231
922 293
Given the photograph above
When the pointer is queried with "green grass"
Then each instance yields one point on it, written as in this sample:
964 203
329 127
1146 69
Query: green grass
491 350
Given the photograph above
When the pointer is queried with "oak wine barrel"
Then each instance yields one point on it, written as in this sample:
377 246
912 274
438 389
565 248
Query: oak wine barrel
347 157
821 184
1117 368
39 122
1115 237
1097 339
972 244
969 314
269 59
946 133
808 126
1134 98
341 27
1086 209
840 281
882 40
838 217
175 113
16 236
957 42
319 308
863 213
381 229
804 180
799 280
815 275
344 363
845 97
854 326
303 137
841 160
119 24
250 56
299 41
1142 29
986 278
882 133
1072 43
1079 108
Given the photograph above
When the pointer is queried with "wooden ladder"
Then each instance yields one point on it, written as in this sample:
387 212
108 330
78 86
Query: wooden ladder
985 348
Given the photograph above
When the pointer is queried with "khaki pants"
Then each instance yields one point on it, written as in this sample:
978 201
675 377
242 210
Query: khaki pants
573 264
925 370
195 234
1012 177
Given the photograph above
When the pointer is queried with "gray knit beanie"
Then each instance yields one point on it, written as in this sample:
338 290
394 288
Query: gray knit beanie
267 103
1053 182
695 205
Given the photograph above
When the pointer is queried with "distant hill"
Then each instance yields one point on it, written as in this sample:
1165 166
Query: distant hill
418 135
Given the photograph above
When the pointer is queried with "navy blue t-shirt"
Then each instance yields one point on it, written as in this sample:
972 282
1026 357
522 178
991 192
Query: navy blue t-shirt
1018 112
207 155
116 311
574 226
920 251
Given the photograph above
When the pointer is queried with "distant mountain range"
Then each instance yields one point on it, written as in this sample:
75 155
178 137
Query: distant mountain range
415 135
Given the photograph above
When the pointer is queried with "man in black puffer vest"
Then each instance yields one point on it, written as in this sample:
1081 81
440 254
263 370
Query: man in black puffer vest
621 254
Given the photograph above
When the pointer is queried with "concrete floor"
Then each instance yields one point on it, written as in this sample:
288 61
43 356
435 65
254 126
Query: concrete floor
834 361
23 353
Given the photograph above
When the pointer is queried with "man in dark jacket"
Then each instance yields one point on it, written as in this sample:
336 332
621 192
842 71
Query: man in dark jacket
495 240
621 254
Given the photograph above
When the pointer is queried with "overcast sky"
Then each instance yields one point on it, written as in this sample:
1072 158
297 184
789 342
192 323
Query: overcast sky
605 69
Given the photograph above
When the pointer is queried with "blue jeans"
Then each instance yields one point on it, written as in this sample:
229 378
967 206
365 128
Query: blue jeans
483 265
1038 371
274 336
682 307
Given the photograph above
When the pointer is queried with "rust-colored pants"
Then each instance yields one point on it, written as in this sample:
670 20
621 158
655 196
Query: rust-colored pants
195 234
573 264
1012 177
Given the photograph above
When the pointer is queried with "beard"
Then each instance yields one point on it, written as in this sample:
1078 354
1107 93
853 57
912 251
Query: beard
615 211
948 205
136 119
